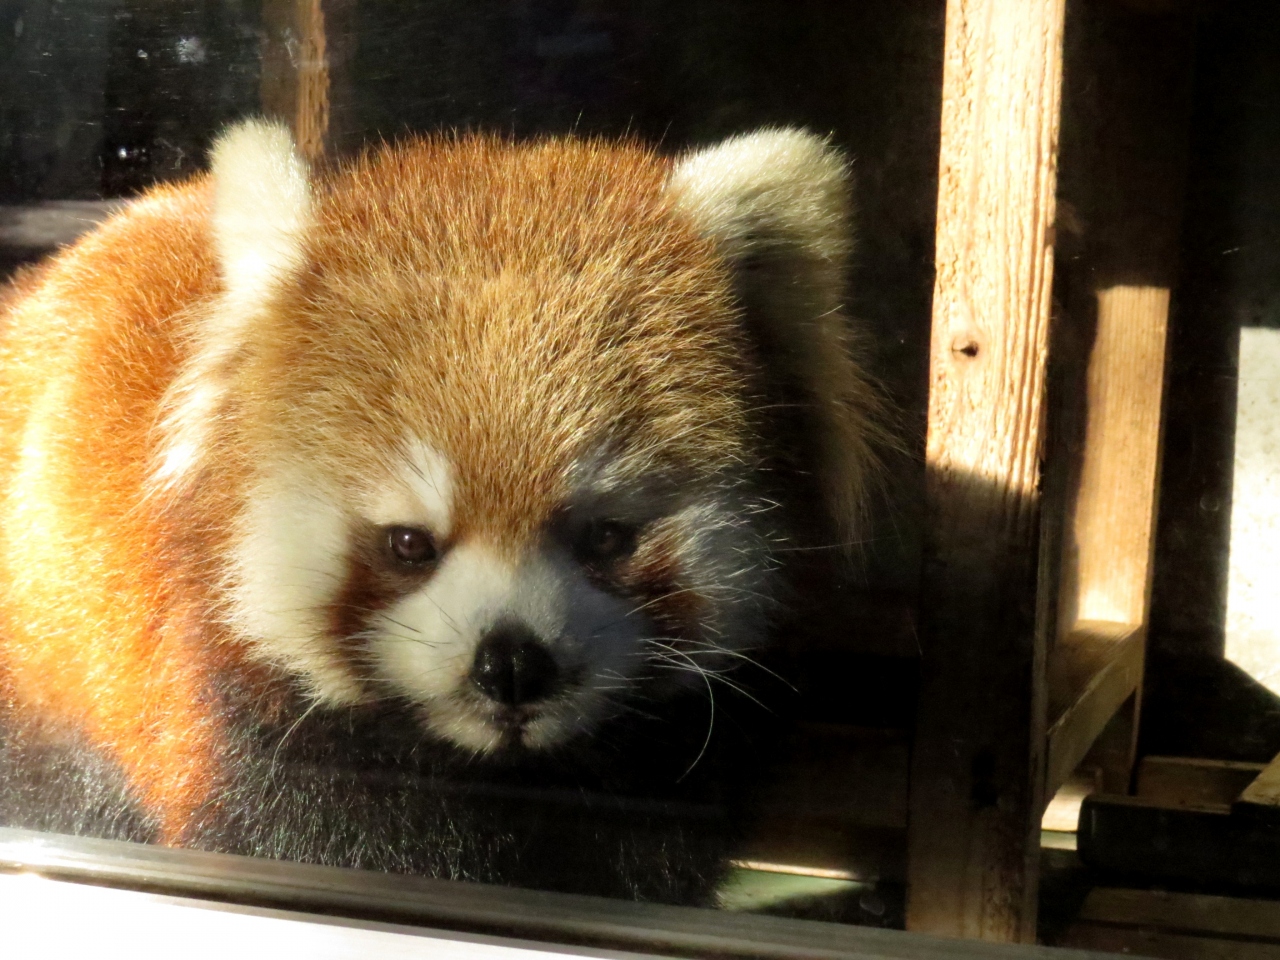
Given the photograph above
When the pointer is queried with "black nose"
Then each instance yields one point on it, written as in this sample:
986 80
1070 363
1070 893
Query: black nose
513 667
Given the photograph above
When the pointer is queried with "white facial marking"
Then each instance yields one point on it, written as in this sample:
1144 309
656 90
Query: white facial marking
288 562
428 641
419 495
291 559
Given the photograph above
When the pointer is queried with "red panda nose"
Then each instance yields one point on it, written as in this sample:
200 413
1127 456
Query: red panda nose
513 667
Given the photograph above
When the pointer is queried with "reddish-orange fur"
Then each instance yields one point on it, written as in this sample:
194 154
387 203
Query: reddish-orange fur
91 620
497 318
534 347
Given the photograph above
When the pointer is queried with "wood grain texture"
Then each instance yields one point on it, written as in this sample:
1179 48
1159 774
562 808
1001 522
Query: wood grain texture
1112 517
1160 923
295 70
975 800
1264 791
1194 781
1092 672
1187 912
1126 119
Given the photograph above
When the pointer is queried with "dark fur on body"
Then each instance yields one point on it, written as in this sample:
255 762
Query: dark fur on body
650 810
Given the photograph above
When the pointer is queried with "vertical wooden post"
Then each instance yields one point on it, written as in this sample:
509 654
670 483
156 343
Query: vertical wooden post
977 765
295 70
1127 109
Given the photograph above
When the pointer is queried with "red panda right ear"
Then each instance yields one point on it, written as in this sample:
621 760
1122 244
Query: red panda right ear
262 204
776 202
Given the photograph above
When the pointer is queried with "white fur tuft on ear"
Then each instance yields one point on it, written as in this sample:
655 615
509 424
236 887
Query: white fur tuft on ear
261 208
777 203
262 202
768 187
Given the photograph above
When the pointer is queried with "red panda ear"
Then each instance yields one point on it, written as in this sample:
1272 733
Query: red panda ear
777 203
262 201
261 207
775 191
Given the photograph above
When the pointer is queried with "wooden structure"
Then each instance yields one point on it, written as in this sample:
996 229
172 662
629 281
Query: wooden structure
1043 447
306 44
1163 924
1190 821
975 793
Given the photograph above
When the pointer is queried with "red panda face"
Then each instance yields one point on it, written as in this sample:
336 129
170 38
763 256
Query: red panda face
490 414
630 586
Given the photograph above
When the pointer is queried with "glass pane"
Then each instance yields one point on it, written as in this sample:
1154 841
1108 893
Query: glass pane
810 460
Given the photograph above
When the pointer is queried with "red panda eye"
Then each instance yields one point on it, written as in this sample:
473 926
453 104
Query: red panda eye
410 545
606 540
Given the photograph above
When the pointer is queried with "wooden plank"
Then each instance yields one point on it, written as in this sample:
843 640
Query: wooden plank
1092 672
1194 782
1156 843
1155 943
1077 659
827 848
1112 514
1186 912
1062 812
1126 116
298 66
975 804
1264 791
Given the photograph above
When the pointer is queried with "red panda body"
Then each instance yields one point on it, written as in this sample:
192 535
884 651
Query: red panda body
475 436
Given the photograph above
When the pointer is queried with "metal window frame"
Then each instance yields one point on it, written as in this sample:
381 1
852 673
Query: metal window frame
552 919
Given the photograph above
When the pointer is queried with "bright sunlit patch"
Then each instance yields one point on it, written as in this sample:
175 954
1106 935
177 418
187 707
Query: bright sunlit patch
1253 583
1114 506
747 889
50 918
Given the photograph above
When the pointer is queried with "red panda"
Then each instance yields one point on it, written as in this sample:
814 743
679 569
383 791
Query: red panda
510 435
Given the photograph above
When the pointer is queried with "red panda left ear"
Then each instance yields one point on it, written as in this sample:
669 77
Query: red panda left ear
262 204
261 208
777 204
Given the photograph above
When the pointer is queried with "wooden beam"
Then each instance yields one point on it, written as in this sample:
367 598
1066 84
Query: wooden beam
1107 575
296 61
1206 846
1092 672
976 778
1262 795
1126 113
1062 811
1194 781
1186 912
